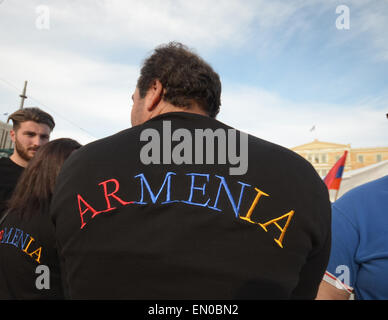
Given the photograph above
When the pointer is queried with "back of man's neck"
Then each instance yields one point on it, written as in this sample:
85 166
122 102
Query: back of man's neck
167 108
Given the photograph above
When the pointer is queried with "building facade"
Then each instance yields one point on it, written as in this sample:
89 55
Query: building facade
5 138
323 155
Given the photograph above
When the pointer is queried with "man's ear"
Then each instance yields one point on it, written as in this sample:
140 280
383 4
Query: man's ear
154 95
12 134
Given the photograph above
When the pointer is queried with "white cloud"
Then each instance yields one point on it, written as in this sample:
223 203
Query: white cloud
131 23
202 23
80 93
276 119
71 70
374 23
368 22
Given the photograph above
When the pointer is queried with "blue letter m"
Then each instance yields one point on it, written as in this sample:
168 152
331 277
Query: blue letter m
154 198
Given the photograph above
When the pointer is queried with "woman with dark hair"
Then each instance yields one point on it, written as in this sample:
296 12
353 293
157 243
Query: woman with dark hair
29 264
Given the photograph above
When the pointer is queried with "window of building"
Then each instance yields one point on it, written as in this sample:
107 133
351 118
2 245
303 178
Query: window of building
379 158
360 158
324 158
316 158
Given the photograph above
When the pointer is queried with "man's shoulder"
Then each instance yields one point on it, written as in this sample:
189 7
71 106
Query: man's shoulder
9 173
277 154
367 195
380 184
101 151
6 164
284 168
264 149
4 161
107 145
364 208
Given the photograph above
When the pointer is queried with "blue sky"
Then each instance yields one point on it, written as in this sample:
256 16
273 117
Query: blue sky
284 65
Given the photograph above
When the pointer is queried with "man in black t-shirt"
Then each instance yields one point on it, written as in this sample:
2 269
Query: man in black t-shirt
31 129
182 206
9 173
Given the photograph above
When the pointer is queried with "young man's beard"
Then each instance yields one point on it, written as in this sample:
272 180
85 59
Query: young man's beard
23 152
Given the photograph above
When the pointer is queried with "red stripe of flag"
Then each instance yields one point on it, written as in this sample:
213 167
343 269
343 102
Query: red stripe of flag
334 177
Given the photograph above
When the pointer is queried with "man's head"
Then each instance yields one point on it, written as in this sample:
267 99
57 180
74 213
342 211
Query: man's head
31 129
175 75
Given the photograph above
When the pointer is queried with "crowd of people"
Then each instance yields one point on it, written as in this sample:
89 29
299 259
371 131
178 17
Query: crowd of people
109 226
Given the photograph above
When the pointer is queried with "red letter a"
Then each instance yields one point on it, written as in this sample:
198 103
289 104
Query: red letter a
88 207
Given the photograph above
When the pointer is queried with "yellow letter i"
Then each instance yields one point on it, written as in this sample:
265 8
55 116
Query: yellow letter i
254 204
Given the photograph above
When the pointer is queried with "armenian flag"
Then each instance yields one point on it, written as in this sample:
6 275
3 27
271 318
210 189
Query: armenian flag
334 177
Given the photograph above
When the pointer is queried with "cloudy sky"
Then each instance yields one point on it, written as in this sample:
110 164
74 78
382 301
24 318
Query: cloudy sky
285 65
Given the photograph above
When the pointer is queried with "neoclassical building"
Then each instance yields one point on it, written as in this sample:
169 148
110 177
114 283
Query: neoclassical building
323 155
5 137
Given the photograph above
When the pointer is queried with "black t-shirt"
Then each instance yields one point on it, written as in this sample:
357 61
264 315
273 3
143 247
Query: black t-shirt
9 175
132 230
29 265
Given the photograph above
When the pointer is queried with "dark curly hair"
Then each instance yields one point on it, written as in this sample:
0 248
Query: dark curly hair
185 77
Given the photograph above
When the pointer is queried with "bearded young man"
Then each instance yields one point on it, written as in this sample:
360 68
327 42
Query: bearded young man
144 214
31 129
